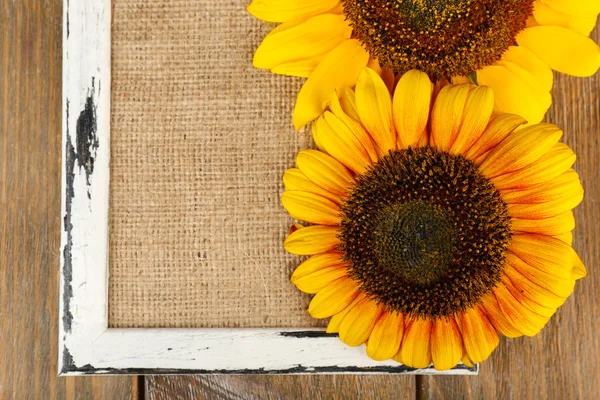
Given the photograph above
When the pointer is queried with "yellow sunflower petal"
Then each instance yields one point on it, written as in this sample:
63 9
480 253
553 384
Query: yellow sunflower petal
310 207
544 253
461 80
411 107
521 148
535 76
339 69
318 137
386 336
312 240
359 322
336 320
303 67
553 226
447 115
285 10
356 128
479 336
531 290
575 7
338 9
550 165
476 116
521 317
339 141
446 344
527 60
317 263
374 65
548 209
497 317
516 91
559 188
415 349
333 298
465 357
526 301
466 360
498 128
350 137
374 106
300 68
389 78
565 237
578 271
309 40
558 283
398 358
562 49
348 103
544 14
316 281
325 171
439 85
287 25
294 179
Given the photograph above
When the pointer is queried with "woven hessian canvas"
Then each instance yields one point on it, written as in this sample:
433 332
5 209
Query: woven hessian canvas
199 143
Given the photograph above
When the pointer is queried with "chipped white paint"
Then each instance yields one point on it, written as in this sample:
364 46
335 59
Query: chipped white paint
84 262
87 346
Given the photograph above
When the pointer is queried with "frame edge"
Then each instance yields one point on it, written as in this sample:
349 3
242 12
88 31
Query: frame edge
85 177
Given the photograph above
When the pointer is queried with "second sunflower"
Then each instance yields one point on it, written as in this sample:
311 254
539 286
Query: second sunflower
511 45
437 224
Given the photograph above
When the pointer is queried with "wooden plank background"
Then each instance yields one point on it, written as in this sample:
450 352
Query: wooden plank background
563 362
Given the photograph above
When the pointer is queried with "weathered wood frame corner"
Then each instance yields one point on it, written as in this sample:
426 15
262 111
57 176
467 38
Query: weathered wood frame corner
86 344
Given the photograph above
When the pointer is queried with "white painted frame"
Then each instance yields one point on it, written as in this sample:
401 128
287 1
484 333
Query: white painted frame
87 345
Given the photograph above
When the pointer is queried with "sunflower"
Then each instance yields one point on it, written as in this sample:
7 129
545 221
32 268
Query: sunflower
511 46
436 224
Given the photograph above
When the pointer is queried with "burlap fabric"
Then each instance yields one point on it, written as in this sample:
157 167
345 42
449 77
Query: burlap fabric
200 141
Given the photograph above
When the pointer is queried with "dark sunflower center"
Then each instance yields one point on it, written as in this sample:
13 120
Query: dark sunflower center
443 38
427 14
416 240
424 232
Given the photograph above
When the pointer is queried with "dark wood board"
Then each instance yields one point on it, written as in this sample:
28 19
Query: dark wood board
299 387
30 176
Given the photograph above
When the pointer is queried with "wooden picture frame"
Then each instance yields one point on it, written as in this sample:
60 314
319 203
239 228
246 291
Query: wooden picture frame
87 345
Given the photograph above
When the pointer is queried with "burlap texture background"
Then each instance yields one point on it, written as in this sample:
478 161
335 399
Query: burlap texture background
200 141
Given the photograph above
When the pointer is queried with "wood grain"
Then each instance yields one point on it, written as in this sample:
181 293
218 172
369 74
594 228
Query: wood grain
298 387
30 148
563 361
